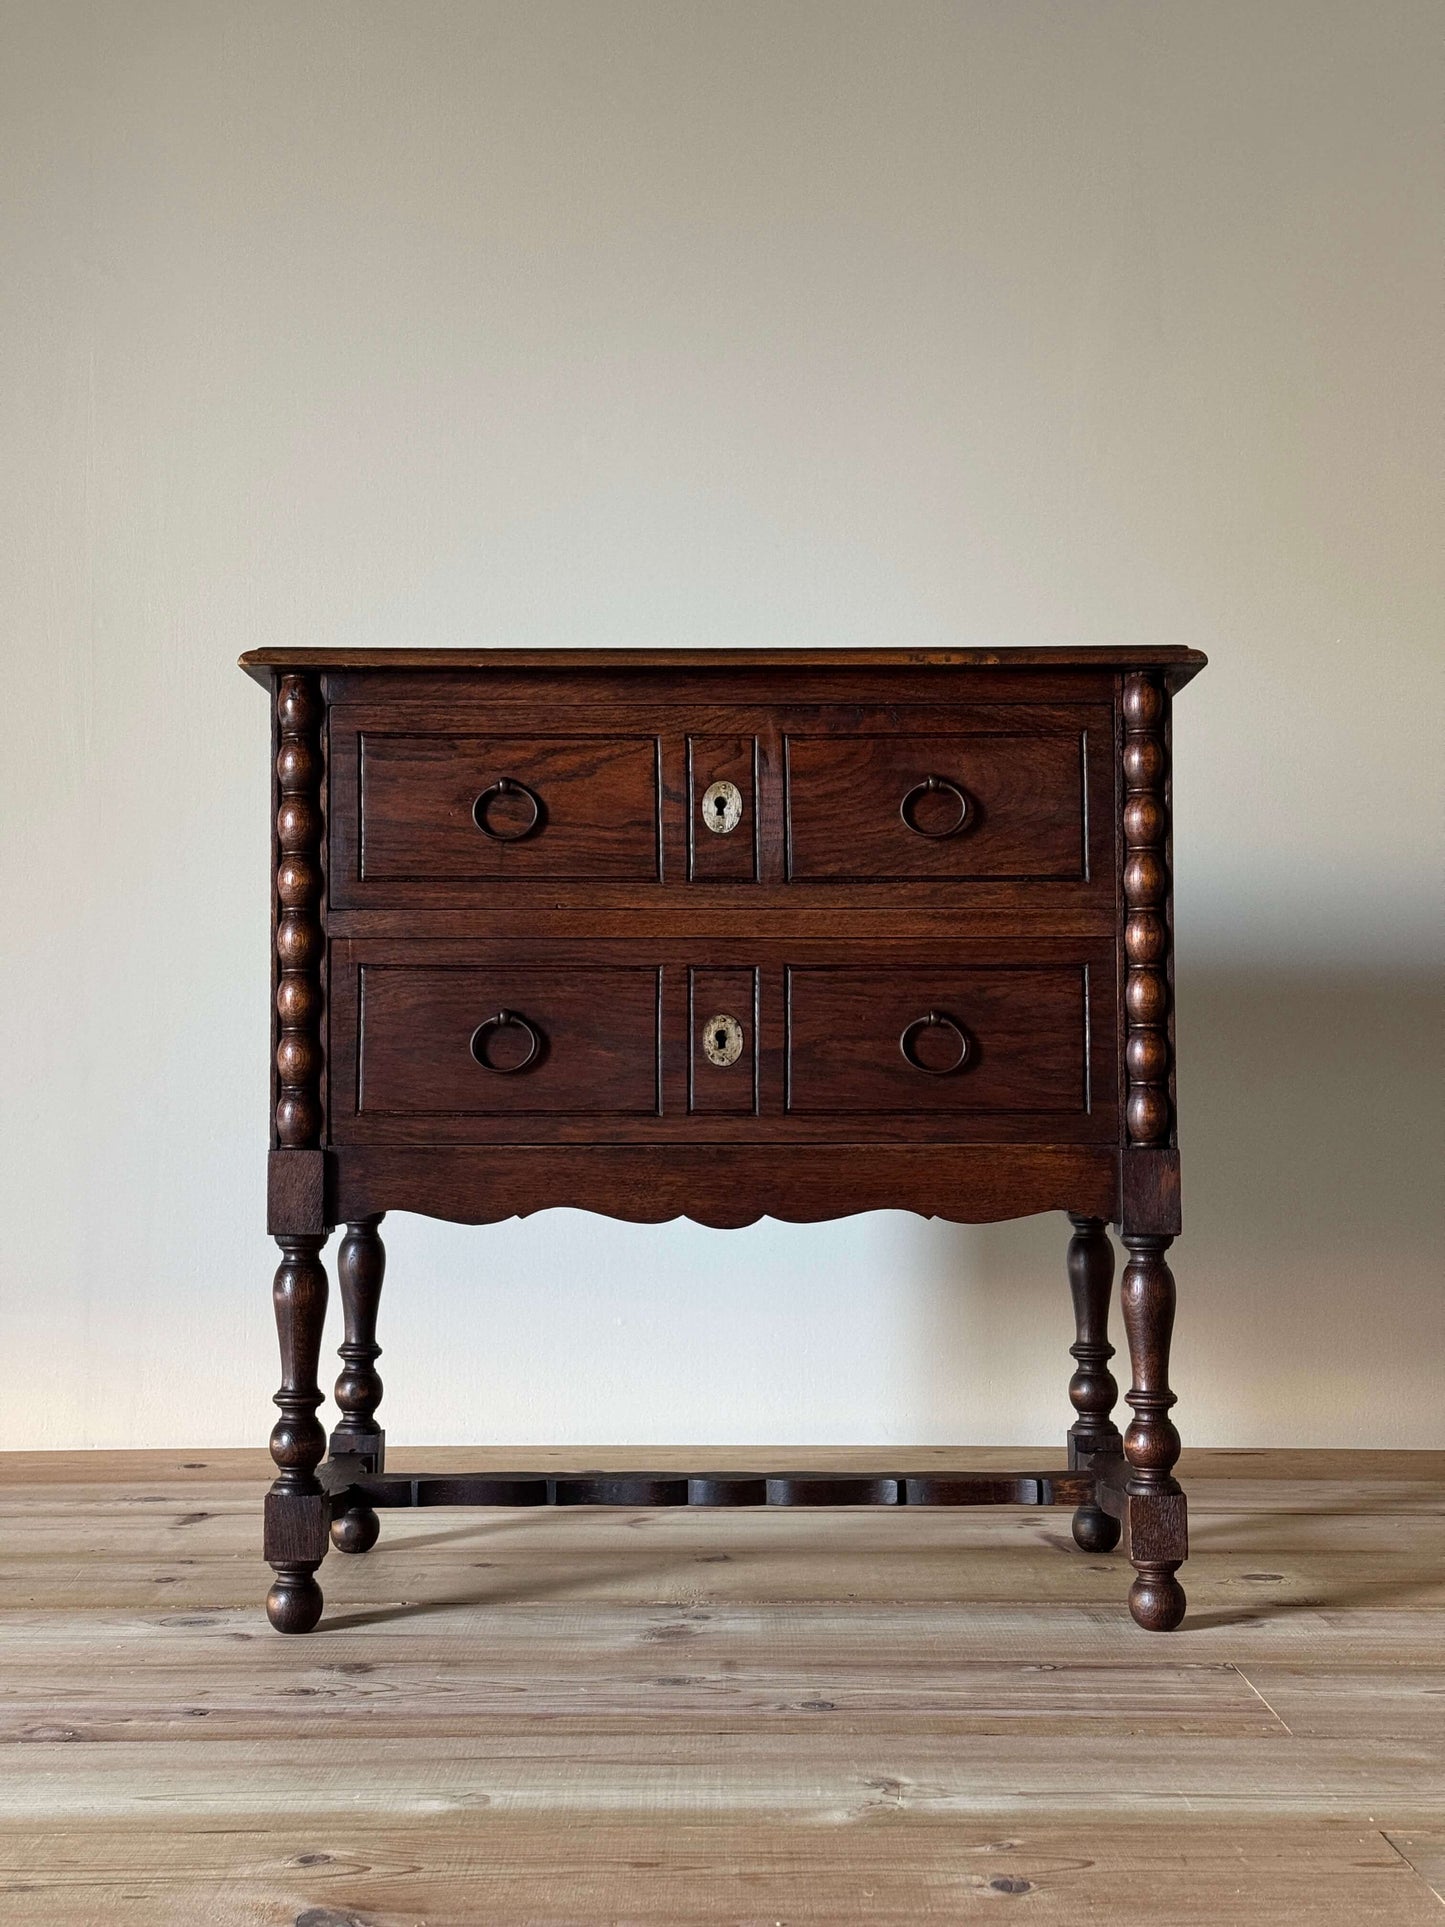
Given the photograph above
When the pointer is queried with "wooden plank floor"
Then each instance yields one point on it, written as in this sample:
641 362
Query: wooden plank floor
749 1717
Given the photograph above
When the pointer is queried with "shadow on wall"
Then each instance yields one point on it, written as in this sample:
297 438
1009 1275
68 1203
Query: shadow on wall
1311 1269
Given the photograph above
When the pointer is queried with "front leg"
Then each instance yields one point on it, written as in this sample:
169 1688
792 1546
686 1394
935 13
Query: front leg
297 1509
1157 1542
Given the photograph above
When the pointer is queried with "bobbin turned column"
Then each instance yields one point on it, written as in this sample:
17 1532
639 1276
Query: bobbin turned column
1148 1044
299 938
360 1269
1093 1391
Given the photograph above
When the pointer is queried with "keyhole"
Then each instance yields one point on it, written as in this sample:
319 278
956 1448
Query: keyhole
722 808
721 1038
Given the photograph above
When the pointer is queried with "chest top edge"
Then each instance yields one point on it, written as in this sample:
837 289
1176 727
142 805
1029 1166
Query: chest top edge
1176 663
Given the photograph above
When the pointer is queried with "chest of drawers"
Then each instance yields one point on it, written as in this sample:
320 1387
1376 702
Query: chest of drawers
723 935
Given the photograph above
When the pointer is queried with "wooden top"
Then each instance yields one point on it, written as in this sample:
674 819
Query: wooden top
1180 663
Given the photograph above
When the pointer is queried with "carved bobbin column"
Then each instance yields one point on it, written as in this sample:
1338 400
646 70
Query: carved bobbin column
1146 925
300 941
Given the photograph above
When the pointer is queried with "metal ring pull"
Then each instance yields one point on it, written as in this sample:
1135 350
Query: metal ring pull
506 786
929 785
935 1020
504 1020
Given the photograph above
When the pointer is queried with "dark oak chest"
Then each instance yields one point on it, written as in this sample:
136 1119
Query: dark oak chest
723 935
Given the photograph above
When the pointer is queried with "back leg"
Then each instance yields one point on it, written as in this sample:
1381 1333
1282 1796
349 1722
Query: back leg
1092 1390
360 1269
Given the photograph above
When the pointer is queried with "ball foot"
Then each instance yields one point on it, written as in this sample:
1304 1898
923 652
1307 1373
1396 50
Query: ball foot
355 1531
1156 1599
294 1603
1095 1530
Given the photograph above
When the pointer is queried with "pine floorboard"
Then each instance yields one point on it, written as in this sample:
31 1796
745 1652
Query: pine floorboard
856 1716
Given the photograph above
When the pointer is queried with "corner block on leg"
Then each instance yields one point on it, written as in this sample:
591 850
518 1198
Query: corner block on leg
1155 1520
1092 1389
297 1509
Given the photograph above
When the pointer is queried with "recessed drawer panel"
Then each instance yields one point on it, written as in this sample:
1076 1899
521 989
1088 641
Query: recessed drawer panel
942 1038
546 809
896 808
508 1040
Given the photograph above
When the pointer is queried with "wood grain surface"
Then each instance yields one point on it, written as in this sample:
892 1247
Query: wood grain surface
617 1022
1174 656
722 1717
404 806
1015 808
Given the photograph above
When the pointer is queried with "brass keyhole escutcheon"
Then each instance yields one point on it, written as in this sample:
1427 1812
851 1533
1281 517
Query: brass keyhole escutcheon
722 1040
722 807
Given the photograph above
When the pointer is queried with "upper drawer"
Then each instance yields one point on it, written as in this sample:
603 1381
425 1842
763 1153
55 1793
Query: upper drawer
905 807
462 804
413 807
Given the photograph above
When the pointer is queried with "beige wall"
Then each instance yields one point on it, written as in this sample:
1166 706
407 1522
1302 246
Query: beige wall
993 321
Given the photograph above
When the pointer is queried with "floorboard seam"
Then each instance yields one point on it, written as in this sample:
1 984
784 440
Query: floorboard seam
1264 1702
1395 1847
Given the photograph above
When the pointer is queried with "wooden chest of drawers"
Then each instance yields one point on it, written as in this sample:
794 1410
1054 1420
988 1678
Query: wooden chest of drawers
723 935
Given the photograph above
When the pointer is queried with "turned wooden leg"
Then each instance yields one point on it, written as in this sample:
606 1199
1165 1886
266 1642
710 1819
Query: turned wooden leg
296 1507
360 1269
1092 1390
1157 1537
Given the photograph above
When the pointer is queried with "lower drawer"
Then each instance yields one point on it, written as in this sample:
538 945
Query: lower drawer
509 1040
612 1040
944 1037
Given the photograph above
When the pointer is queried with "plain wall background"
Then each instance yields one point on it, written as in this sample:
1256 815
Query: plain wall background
730 323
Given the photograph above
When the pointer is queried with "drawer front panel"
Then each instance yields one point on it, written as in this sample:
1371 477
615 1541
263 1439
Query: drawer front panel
513 809
508 1041
651 1039
900 808
945 1038
1002 814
